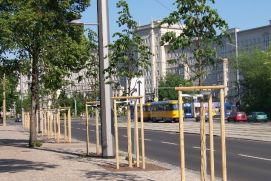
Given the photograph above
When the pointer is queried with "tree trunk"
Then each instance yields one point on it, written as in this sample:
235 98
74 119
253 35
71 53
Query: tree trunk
34 102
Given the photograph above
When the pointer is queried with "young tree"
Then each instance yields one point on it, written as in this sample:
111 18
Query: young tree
9 69
39 32
167 85
203 30
128 57
255 68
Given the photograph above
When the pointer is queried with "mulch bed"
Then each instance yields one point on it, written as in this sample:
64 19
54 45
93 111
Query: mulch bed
124 167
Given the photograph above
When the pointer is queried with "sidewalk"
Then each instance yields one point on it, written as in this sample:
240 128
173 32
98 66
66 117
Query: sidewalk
66 162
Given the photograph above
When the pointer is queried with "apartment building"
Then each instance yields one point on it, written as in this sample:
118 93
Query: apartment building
151 34
222 73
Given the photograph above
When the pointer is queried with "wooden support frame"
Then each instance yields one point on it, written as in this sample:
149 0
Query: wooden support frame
221 88
67 123
93 104
140 98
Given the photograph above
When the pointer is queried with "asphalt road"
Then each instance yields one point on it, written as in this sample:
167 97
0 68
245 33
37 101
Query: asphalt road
246 160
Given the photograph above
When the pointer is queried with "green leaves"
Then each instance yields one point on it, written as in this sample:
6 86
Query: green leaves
255 68
167 85
39 31
128 57
203 30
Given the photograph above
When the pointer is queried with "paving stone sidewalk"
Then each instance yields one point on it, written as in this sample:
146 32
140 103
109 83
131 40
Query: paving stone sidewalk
63 162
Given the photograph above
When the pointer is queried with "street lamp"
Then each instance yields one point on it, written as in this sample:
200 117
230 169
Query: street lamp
105 91
237 63
79 22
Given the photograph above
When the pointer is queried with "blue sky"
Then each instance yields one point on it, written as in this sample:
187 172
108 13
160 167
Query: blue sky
243 14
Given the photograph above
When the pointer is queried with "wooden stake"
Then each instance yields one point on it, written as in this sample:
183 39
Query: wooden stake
181 136
69 126
211 138
202 143
136 134
223 137
97 131
65 127
116 133
49 125
58 125
142 134
55 120
129 138
42 118
87 131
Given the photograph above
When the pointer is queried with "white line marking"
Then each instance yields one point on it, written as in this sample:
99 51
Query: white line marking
196 147
260 158
170 143
148 139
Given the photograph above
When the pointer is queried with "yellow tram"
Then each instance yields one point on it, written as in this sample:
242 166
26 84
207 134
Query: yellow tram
161 111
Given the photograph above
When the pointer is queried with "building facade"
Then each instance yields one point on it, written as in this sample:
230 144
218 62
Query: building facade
151 34
223 72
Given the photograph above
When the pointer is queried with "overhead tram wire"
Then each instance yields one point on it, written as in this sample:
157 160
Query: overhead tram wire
163 5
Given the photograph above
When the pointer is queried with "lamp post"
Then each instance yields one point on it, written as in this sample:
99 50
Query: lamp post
237 63
105 91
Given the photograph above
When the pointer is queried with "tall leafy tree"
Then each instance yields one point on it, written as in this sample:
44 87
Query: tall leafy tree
255 69
39 31
128 57
203 30
167 86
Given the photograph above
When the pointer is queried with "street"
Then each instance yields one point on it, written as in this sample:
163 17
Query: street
246 159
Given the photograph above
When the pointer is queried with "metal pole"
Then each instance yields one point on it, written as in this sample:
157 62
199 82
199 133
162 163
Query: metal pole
237 62
105 91
75 107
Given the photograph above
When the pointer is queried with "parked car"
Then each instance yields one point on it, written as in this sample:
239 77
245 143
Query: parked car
237 116
257 116
18 118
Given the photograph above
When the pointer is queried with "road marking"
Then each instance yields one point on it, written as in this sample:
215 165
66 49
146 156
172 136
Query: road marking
125 136
170 143
196 147
259 158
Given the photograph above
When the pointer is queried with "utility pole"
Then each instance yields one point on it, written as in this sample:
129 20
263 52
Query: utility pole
105 91
4 100
75 107
237 66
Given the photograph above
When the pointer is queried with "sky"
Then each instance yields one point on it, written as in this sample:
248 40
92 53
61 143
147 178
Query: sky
243 14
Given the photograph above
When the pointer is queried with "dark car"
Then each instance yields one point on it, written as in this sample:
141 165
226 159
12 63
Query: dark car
237 116
18 118
257 116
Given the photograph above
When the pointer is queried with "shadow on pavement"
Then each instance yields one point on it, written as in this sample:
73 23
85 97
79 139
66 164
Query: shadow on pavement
14 142
98 175
15 165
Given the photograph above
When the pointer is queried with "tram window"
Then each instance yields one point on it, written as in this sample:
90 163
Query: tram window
174 106
166 108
